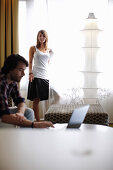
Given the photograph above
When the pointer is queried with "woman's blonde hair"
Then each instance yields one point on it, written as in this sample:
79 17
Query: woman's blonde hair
38 45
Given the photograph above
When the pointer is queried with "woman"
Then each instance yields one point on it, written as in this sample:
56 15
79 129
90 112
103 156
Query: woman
38 89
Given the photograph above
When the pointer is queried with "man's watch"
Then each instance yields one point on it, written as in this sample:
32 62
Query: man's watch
32 125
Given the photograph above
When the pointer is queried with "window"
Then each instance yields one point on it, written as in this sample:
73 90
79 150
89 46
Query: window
63 20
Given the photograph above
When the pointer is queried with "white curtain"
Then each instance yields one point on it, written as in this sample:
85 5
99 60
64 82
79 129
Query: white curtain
32 18
63 20
107 102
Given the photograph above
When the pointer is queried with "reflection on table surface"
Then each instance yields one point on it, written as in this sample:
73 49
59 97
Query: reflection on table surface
88 148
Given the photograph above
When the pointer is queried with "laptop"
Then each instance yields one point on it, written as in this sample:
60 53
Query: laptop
76 119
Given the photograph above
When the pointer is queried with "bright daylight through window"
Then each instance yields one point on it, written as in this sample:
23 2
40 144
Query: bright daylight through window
63 20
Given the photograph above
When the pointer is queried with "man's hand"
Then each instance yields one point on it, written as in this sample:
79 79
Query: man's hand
20 117
43 124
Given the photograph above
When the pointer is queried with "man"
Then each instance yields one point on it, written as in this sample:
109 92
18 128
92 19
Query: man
10 74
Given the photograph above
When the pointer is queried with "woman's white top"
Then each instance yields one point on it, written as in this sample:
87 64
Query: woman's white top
40 67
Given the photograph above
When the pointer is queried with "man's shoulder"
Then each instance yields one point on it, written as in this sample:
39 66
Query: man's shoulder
3 80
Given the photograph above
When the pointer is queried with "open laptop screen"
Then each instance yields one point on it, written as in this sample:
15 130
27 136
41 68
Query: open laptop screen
77 117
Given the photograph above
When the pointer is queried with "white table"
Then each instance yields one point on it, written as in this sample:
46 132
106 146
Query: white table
89 148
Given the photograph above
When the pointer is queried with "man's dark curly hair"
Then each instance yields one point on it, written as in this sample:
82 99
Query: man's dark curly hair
12 61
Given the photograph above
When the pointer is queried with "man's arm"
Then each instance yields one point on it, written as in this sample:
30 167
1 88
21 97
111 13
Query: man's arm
20 111
13 119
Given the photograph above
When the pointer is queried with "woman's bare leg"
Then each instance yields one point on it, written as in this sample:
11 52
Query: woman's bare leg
36 108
